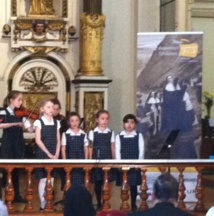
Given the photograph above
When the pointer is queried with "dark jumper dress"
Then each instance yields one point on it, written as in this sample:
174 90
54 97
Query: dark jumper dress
75 150
130 150
49 138
13 145
102 150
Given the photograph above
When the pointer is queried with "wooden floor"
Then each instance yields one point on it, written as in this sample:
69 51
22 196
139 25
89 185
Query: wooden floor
115 195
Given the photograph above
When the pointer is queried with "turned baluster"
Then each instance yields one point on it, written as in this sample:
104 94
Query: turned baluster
125 190
87 179
49 192
106 190
9 191
162 169
199 191
29 192
144 188
68 179
181 189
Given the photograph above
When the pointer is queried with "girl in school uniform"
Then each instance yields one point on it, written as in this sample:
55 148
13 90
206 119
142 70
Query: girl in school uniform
130 145
75 146
13 145
102 141
48 144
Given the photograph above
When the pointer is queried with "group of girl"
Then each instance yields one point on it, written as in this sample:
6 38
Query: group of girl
71 143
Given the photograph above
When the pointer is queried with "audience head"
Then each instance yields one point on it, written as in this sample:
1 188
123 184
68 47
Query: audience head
3 209
112 213
78 202
165 188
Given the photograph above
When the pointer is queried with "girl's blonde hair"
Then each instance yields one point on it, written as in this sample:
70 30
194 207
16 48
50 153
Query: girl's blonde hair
43 102
11 95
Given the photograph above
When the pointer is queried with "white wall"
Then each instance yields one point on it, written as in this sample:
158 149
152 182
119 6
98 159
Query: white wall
119 57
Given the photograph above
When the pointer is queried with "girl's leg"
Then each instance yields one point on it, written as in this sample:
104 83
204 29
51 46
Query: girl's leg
41 189
133 190
98 193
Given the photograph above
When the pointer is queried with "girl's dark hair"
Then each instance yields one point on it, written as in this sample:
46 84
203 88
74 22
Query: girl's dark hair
100 112
11 95
71 114
56 102
128 117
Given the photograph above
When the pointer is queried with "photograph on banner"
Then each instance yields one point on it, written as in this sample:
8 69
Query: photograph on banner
190 182
168 95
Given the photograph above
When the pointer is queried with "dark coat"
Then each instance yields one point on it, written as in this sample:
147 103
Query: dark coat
162 209
78 202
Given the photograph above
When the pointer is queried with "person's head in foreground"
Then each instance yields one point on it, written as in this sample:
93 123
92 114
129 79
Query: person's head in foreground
165 195
78 202
165 188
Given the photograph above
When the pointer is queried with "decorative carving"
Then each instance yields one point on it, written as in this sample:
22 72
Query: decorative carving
71 31
64 8
6 29
93 102
32 99
30 33
41 7
38 79
38 49
92 28
14 8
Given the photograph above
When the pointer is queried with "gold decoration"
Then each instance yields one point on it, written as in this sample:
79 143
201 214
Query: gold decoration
57 25
6 29
64 8
93 102
92 28
71 30
39 30
38 79
14 8
41 7
42 49
31 100
77 101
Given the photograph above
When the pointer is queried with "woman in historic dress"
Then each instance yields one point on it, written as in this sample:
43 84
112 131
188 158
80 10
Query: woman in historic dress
169 106
41 7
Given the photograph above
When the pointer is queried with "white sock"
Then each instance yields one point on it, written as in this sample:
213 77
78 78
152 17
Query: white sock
41 189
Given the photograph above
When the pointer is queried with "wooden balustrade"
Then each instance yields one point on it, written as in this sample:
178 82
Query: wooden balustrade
106 165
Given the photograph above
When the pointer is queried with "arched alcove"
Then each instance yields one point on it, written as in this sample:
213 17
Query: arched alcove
39 76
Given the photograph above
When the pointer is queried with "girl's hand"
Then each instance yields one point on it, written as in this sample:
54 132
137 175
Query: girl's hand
56 156
19 124
50 155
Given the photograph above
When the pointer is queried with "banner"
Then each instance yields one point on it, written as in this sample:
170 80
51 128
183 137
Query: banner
169 80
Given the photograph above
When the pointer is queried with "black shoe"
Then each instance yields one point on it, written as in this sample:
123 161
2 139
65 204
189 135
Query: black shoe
41 209
99 207
20 199
134 208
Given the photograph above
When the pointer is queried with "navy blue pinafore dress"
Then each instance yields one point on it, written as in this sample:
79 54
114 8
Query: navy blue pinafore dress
75 150
102 151
130 150
49 138
13 145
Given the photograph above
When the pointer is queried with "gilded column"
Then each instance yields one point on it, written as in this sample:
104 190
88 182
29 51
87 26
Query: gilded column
92 30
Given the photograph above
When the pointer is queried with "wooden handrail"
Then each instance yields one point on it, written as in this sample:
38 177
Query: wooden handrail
124 165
